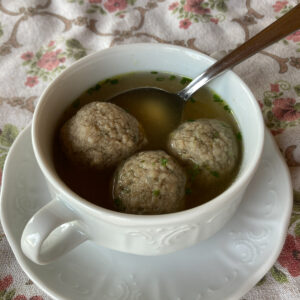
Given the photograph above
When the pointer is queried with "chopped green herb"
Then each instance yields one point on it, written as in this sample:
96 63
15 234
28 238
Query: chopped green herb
215 173
163 162
193 100
156 193
185 80
217 98
239 136
216 134
188 191
160 78
191 120
154 72
125 190
194 172
96 87
90 91
118 204
114 81
107 80
172 77
225 125
227 108
76 103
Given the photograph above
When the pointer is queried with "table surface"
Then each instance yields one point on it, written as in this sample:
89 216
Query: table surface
40 38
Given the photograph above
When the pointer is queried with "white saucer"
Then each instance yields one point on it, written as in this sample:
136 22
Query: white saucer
224 267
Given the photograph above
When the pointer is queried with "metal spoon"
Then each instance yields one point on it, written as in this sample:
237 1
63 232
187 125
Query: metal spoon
274 32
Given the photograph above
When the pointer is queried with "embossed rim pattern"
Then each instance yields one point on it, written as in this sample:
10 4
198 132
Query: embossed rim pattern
245 267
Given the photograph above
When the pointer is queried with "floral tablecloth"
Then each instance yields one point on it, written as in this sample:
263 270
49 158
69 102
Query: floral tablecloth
40 38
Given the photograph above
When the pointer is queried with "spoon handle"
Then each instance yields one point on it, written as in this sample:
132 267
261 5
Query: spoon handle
274 32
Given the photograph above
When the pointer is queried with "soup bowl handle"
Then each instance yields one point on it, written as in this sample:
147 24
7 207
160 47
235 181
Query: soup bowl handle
53 231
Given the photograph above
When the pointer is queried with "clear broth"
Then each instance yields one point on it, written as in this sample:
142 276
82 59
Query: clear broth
157 121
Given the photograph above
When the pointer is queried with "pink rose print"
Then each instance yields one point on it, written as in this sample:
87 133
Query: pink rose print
284 109
214 20
20 297
199 11
113 5
27 55
95 1
279 5
290 255
52 43
173 5
295 37
49 60
276 132
5 282
274 87
31 81
185 24
196 7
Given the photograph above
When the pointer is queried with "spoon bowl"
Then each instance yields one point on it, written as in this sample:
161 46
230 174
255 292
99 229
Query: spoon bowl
157 106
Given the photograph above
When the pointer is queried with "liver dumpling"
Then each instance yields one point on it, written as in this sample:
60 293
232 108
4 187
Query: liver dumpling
101 135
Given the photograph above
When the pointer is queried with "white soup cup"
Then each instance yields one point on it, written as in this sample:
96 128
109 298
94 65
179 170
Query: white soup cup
69 220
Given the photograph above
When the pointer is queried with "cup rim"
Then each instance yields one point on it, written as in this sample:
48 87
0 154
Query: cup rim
119 217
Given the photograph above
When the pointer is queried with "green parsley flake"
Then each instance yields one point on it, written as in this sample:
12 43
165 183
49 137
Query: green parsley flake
126 190
163 162
185 80
193 100
90 91
216 134
159 78
114 81
215 173
172 77
156 193
188 191
76 103
227 108
154 72
118 204
194 172
217 98
94 88
239 136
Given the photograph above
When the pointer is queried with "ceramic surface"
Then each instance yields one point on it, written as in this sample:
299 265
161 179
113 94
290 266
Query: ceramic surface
225 266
